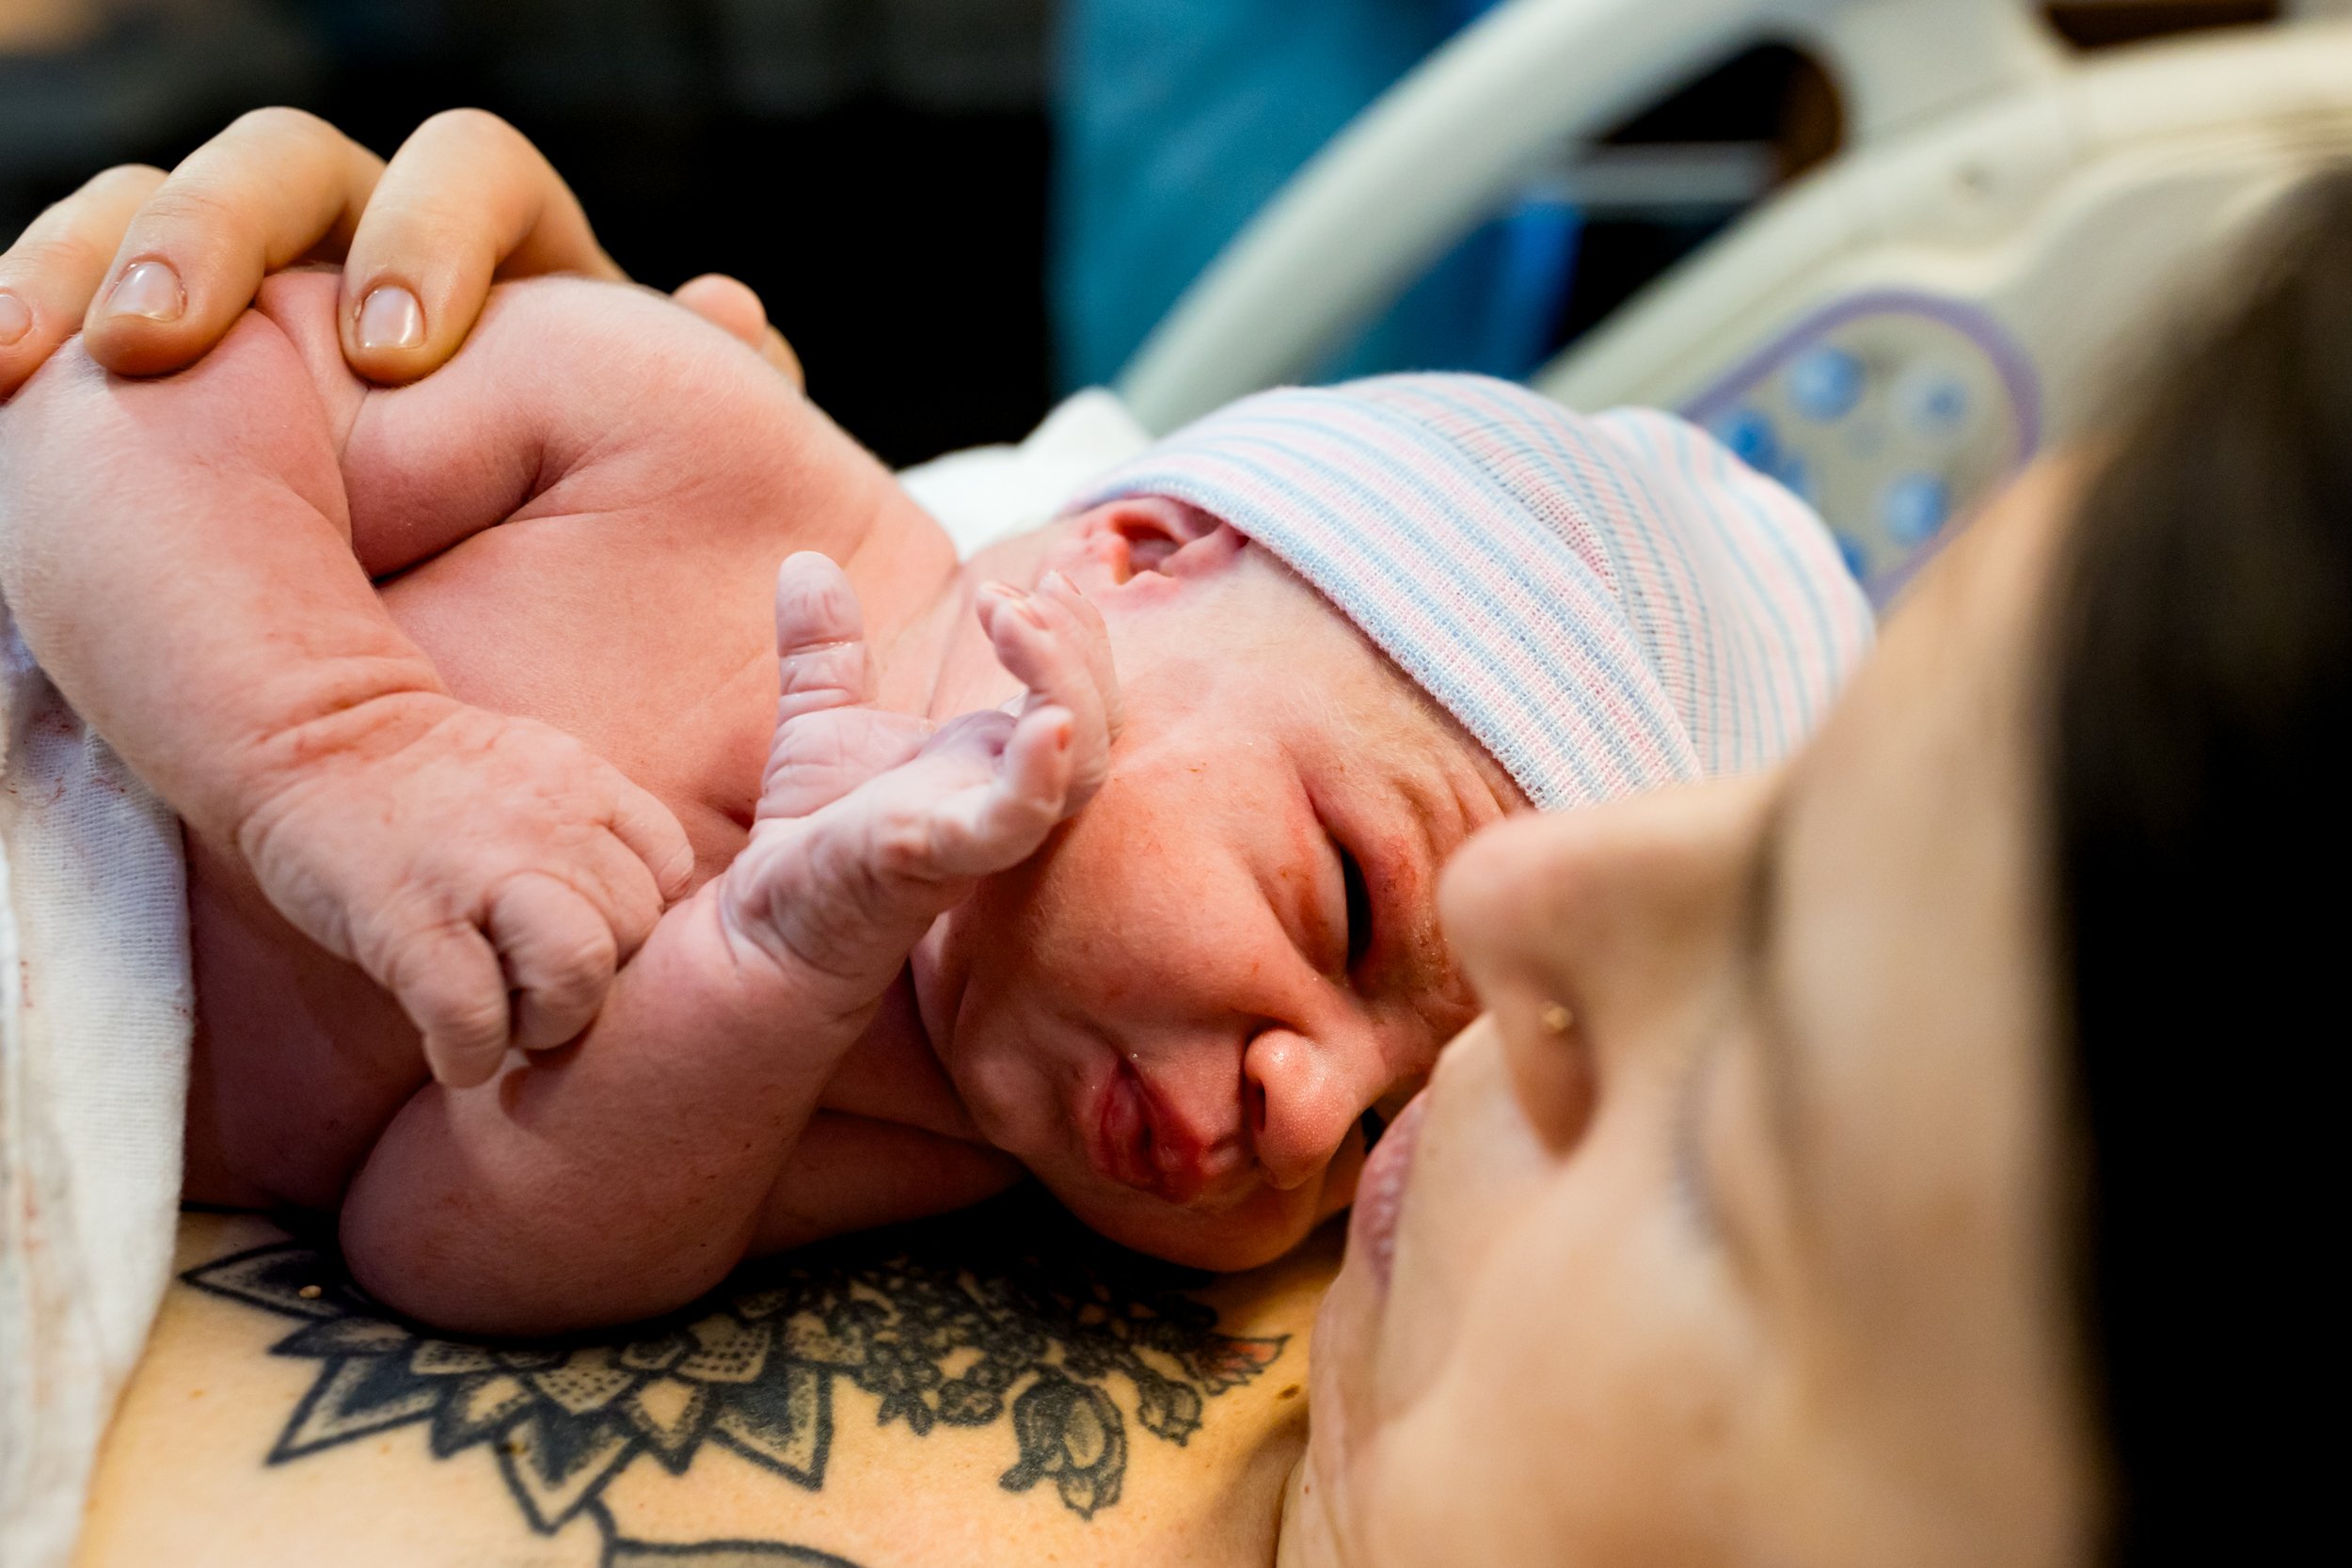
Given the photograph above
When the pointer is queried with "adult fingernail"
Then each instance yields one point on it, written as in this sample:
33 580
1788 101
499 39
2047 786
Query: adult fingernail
148 289
16 319
390 317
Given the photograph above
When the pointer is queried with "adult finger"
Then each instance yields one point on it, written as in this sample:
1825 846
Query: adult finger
734 308
277 185
467 199
51 273
558 955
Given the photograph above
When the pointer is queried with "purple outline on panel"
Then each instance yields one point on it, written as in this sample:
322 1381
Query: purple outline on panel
1970 322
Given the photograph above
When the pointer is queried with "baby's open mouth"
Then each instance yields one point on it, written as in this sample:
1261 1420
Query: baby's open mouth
1138 1143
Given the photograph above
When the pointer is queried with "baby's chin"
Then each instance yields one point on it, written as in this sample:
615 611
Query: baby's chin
1262 1226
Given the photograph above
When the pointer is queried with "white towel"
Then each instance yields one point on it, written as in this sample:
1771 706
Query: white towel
96 1009
984 493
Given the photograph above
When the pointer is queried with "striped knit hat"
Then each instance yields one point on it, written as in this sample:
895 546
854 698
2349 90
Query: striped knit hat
1607 602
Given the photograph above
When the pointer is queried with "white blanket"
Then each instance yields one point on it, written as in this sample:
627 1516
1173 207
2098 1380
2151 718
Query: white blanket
96 1011
95 1014
987 493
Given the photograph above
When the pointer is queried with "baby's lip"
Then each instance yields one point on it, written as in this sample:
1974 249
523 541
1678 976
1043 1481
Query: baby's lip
1139 1142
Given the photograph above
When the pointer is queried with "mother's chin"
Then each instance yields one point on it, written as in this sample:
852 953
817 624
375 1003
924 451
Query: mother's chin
1315 1501
1348 1333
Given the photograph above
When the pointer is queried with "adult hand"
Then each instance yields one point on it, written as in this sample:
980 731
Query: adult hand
154 268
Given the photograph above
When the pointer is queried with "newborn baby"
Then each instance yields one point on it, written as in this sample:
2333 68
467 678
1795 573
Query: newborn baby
833 893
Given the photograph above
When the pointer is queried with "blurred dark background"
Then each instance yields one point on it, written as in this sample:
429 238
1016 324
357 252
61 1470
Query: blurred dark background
882 170
875 168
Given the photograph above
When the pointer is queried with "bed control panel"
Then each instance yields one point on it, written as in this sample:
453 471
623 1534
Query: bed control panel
1892 413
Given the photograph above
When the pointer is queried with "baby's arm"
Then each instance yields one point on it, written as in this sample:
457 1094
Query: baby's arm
179 555
627 1174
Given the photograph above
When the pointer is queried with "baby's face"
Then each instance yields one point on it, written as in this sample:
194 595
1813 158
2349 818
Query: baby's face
1177 1013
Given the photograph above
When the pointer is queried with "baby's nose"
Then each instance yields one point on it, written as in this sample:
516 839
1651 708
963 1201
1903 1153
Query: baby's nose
1301 1101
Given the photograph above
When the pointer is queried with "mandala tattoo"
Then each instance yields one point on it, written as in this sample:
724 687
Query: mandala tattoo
1004 1314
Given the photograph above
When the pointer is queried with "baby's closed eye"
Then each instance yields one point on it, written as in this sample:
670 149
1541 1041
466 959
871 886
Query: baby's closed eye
1356 914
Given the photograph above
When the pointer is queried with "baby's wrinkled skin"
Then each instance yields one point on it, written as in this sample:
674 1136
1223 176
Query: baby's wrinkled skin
1112 900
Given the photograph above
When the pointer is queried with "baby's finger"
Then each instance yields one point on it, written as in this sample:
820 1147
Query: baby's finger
274 186
1041 643
467 199
651 830
828 736
821 653
734 307
1001 823
558 955
819 758
1093 640
617 884
449 983
1071 616
51 273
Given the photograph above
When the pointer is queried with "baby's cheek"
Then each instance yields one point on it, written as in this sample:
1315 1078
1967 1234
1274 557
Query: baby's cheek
1441 1007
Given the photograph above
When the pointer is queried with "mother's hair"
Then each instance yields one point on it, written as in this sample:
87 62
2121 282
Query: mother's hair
2197 799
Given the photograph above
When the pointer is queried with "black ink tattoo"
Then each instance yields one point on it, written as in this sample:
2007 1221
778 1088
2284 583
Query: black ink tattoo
1008 1313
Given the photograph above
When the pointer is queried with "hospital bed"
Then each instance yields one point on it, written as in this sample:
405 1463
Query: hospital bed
1892 336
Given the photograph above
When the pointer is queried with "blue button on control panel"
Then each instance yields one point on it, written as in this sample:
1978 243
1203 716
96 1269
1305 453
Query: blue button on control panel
1824 384
1750 436
1931 403
1915 508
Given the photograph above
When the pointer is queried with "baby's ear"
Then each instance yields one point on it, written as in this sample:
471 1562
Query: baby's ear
1123 539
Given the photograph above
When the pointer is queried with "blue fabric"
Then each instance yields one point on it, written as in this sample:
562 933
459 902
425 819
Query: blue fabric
1176 120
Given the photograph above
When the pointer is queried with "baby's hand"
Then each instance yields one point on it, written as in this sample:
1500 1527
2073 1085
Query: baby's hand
490 872
871 825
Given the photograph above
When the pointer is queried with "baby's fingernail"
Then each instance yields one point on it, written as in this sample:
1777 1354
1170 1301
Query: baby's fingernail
1062 581
148 289
16 319
390 317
